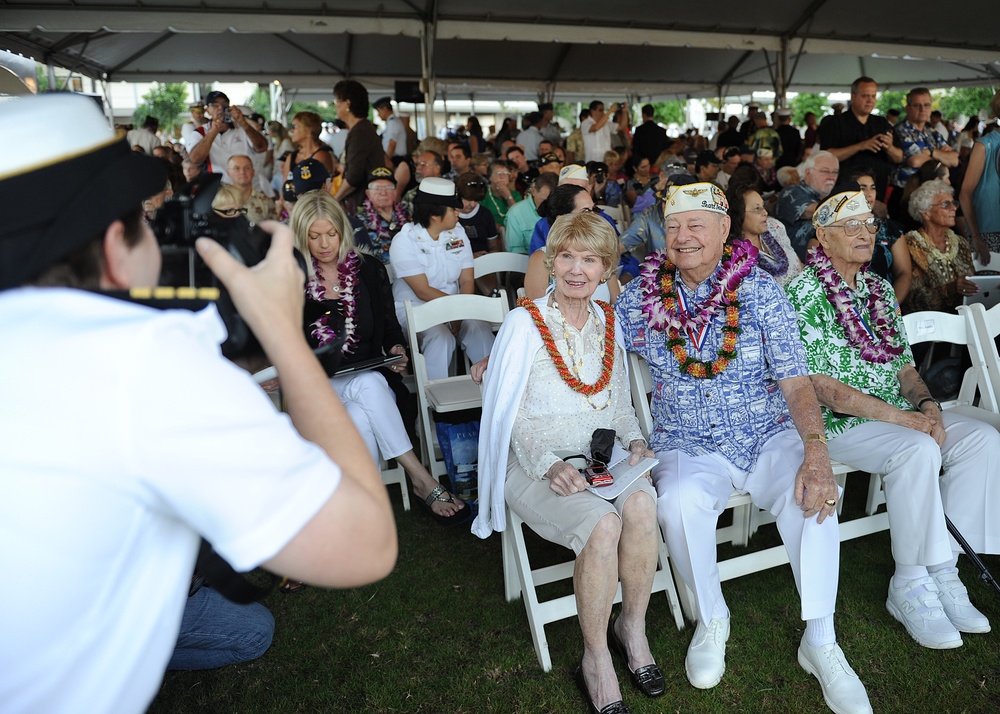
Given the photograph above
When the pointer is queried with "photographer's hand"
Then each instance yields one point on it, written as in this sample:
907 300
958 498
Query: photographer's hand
270 296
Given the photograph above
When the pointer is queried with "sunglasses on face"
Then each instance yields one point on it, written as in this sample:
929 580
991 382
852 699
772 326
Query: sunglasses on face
231 212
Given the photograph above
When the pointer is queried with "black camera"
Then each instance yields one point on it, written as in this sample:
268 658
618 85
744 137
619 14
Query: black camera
597 169
183 219
227 116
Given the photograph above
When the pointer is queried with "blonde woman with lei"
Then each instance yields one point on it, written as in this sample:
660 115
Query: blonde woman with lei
348 299
556 373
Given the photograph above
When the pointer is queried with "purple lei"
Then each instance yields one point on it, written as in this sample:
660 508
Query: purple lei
321 329
383 231
888 346
777 263
662 311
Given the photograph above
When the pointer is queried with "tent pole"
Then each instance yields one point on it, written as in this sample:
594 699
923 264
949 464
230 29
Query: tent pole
780 75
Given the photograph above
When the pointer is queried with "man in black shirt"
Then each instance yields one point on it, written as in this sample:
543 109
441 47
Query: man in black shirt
860 139
649 139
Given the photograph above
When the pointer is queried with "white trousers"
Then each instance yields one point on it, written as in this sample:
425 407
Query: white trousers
915 494
372 407
692 491
437 344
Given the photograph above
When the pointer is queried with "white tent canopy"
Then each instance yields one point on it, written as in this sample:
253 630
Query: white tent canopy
517 49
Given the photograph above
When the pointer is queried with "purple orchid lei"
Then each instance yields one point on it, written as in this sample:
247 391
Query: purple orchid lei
888 346
660 306
321 329
777 263
383 235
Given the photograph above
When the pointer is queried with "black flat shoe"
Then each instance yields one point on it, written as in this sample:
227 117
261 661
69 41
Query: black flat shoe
612 708
648 679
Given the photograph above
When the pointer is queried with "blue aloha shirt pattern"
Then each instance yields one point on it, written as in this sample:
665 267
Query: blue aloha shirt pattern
792 203
736 412
913 141
829 353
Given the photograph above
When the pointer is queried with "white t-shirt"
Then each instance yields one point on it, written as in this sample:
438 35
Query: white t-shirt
394 129
146 139
414 252
232 142
125 436
596 143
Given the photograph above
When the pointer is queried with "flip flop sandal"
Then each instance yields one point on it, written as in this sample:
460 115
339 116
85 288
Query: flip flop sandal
291 586
439 494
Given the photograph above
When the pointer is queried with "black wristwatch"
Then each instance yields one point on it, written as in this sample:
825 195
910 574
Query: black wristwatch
923 401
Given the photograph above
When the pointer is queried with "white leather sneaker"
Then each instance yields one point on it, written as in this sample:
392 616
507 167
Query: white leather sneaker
842 689
955 601
706 656
918 607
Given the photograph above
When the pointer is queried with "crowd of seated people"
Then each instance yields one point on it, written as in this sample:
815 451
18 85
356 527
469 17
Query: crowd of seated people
733 274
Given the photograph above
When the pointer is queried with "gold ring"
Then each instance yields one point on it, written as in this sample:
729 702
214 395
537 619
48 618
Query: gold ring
831 502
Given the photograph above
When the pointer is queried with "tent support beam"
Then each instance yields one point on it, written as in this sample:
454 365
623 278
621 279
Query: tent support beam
312 55
144 51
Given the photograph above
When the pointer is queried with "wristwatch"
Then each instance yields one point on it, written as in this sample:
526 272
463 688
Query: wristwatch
821 438
923 401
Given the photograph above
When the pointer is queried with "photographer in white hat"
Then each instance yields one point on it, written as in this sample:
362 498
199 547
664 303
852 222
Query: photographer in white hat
127 436
734 409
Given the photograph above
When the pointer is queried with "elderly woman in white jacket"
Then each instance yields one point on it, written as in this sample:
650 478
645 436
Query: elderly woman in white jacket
556 373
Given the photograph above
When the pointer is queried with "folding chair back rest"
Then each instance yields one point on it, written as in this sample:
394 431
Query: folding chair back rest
500 263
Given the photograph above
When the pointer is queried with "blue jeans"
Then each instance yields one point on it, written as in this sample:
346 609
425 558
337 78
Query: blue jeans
216 632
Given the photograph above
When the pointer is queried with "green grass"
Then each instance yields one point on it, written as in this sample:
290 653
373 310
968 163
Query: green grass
437 636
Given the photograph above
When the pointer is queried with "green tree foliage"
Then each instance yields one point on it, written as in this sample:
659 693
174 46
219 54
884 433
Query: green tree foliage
260 102
669 113
568 112
891 99
806 102
967 101
327 113
167 102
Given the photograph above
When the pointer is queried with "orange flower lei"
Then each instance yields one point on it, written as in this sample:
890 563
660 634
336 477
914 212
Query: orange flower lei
572 381
730 331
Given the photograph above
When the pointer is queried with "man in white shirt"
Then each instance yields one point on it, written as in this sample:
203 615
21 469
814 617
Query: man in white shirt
145 136
103 501
228 134
529 138
596 130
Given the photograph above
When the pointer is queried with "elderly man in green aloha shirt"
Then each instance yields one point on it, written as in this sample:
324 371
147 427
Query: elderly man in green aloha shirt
881 418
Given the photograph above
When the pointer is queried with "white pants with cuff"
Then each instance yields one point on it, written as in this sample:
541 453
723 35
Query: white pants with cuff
910 462
371 405
692 492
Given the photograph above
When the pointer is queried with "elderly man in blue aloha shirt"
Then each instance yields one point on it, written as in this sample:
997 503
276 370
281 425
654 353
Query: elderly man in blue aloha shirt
734 408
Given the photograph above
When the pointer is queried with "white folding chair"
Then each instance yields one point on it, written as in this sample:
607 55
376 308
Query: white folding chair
985 327
500 263
929 326
451 393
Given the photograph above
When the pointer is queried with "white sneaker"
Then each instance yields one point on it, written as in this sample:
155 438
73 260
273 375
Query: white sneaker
842 689
706 656
955 601
918 607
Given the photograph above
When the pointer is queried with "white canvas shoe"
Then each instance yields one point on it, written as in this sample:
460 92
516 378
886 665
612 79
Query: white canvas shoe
706 656
955 601
918 607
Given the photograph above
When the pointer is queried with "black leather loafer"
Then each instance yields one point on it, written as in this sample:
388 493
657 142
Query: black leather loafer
612 708
648 679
